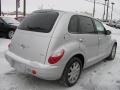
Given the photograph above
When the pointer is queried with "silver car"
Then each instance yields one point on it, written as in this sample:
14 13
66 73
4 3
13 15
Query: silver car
58 45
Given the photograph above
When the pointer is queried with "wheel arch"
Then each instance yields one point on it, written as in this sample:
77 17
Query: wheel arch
82 58
115 43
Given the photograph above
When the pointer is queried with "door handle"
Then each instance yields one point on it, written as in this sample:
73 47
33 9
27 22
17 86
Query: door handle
81 40
100 38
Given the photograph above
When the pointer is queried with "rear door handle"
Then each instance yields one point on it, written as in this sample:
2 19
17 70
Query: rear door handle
100 38
81 40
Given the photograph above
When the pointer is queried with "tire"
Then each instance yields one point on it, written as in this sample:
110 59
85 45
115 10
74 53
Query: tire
113 52
71 72
10 34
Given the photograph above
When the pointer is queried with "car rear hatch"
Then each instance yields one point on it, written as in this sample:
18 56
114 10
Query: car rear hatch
32 38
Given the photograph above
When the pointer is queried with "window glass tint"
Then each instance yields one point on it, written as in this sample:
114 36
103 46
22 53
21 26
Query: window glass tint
1 21
85 25
73 25
99 26
39 22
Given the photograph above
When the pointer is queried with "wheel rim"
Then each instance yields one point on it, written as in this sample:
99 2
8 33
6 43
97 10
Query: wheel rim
113 51
74 72
10 34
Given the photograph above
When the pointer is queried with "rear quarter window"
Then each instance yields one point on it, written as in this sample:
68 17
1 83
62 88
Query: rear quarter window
73 25
39 22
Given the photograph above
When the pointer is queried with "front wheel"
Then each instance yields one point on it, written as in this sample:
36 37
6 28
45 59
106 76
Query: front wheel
10 34
72 72
113 52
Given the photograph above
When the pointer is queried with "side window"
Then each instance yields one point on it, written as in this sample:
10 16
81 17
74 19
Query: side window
100 28
73 24
1 21
85 25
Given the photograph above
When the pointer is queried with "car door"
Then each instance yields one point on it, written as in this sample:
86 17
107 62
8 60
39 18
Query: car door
88 38
1 25
104 40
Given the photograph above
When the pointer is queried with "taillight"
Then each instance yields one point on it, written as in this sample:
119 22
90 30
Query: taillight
56 57
34 72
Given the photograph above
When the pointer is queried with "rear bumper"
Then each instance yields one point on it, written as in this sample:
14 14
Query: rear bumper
47 72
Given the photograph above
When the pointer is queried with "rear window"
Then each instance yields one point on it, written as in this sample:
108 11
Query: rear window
39 22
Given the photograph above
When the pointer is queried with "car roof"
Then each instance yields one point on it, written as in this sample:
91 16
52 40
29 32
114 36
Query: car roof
5 17
63 12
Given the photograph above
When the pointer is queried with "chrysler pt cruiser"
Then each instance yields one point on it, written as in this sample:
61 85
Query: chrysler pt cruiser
58 45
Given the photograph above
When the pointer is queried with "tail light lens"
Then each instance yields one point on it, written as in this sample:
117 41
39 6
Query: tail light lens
56 57
34 72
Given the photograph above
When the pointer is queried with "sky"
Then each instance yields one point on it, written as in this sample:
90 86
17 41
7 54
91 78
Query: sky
66 5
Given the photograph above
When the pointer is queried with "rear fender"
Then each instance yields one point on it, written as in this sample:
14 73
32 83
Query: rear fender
71 49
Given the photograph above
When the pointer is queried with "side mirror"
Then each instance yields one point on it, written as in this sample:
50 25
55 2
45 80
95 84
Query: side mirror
108 32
